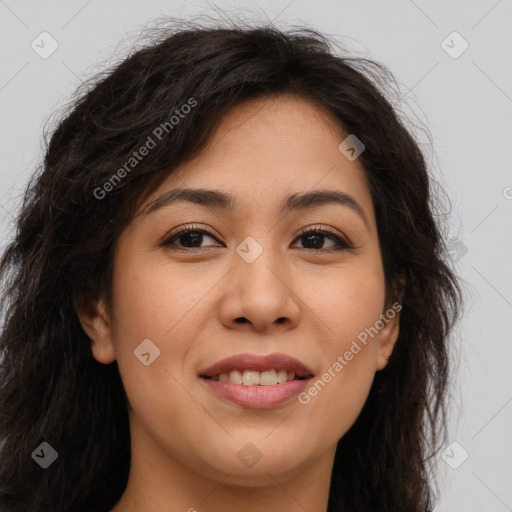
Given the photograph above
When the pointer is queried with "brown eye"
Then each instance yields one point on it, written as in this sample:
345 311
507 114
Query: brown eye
316 238
189 237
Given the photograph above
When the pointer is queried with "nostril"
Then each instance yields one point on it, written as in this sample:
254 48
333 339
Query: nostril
241 320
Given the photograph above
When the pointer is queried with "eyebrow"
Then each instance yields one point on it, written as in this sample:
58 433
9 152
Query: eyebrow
224 201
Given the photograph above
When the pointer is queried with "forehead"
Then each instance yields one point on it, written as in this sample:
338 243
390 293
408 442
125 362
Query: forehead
268 148
264 154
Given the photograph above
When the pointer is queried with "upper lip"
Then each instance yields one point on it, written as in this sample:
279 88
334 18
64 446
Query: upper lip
259 363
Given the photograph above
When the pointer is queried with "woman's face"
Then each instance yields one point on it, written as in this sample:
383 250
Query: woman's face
252 285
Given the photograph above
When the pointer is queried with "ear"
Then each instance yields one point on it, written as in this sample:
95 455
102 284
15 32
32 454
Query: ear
96 324
388 335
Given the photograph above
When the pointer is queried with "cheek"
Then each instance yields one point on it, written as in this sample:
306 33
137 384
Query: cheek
349 308
168 306
349 303
153 298
157 303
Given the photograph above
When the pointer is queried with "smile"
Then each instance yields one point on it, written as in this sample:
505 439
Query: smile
256 381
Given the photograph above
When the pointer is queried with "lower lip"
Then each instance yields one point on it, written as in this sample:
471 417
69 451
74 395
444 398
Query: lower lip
257 397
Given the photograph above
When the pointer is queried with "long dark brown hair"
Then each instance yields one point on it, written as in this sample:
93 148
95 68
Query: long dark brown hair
60 259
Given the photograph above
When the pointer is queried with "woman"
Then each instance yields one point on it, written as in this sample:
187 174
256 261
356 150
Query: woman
297 360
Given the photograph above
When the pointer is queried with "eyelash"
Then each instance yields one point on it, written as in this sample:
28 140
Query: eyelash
192 228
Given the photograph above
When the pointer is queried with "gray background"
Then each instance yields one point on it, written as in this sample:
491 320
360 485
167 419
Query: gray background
466 102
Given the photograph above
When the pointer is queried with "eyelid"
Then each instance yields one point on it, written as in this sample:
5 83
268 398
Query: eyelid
185 228
322 229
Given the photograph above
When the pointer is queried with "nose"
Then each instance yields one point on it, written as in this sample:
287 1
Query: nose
260 296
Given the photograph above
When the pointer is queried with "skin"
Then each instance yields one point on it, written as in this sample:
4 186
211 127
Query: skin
185 439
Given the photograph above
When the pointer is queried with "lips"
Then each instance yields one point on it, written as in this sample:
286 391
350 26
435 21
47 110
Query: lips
242 362
248 394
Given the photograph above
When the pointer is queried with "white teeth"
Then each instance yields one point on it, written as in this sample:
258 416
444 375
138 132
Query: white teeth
282 376
251 378
255 378
268 378
235 377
